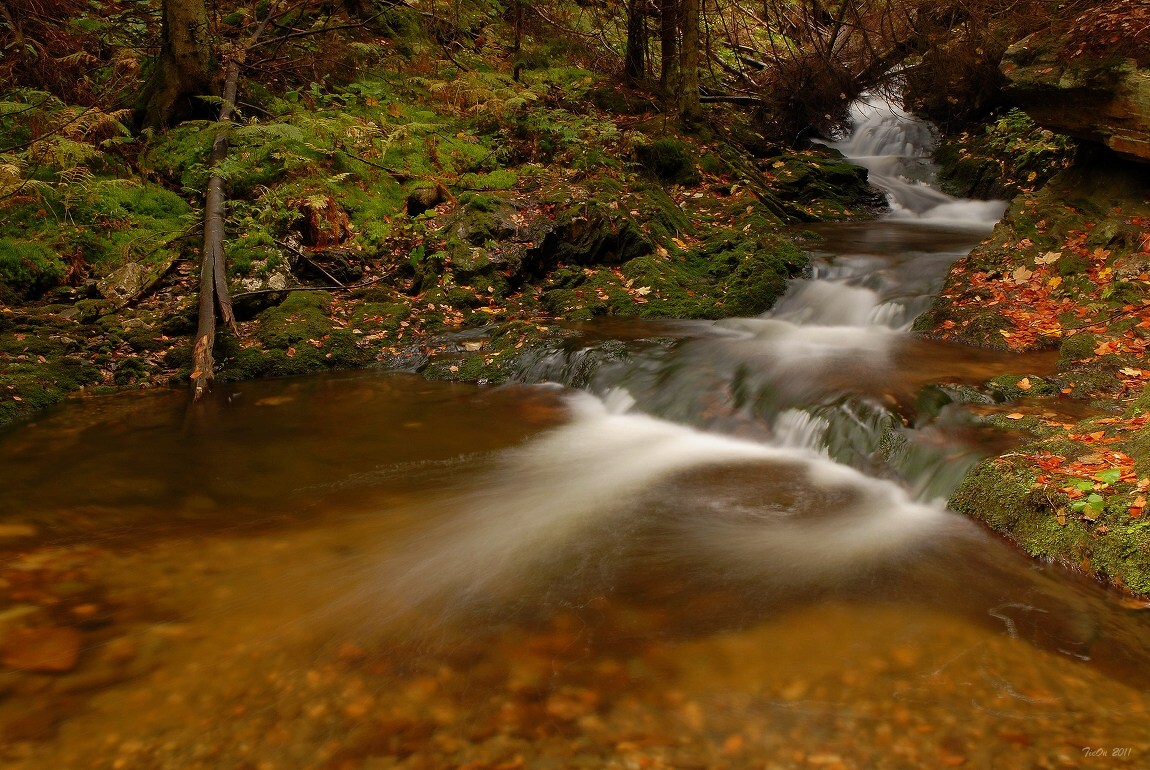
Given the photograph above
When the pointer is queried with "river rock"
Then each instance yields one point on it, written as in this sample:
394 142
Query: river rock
130 282
18 617
44 649
1100 100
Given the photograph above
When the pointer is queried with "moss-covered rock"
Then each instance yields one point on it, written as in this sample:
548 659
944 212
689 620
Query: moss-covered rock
669 160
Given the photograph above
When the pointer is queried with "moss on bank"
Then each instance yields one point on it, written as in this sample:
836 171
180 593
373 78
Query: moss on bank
1108 538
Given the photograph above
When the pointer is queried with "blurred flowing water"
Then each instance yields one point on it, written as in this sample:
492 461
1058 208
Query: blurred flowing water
670 544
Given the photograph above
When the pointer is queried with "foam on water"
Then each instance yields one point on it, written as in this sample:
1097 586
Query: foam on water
895 147
599 475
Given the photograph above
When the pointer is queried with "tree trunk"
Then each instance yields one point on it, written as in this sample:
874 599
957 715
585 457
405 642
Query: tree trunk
690 109
668 45
184 70
635 60
213 267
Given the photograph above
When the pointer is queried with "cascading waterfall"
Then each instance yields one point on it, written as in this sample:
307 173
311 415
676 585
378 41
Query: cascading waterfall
800 467
895 147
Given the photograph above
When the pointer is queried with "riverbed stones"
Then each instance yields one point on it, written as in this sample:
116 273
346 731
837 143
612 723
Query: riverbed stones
42 649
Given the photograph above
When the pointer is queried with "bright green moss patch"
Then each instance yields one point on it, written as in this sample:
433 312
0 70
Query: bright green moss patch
27 269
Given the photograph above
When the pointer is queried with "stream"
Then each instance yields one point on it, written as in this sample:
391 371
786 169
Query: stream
669 544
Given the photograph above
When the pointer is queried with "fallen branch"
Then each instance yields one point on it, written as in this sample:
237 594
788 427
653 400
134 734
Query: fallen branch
213 273
309 260
731 99
341 287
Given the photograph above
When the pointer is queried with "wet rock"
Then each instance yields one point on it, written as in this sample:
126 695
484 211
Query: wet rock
130 282
1100 99
422 199
43 649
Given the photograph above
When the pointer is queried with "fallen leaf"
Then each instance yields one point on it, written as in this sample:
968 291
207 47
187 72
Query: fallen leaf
1022 274
1015 416
1048 258
1024 384
1129 372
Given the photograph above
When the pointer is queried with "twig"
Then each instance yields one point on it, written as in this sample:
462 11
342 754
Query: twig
1119 314
309 260
341 287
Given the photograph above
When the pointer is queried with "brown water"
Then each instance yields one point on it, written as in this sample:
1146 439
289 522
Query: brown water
715 545
250 603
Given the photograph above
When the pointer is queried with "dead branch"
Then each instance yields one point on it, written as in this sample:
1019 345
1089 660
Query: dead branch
341 287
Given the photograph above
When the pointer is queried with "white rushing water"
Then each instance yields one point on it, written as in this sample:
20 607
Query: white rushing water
781 510
895 147
751 444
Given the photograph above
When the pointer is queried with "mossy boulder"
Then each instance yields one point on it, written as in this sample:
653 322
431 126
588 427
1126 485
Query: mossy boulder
669 160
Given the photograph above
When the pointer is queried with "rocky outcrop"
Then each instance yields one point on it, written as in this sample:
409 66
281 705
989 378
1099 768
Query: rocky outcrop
1103 99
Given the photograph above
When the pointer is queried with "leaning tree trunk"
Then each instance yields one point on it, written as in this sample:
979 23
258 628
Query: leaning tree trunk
213 266
184 70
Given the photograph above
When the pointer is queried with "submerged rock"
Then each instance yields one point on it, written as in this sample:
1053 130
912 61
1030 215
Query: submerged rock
48 649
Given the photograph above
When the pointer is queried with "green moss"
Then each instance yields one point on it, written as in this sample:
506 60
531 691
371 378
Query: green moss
1140 404
1076 347
1006 387
501 179
299 318
1071 264
181 154
669 160
27 269
27 384
121 201
385 316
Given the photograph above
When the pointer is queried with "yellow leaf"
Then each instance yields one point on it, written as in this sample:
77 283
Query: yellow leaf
1131 372
1055 282
1024 384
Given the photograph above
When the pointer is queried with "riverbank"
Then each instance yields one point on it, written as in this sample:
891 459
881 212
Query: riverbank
385 223
1067 268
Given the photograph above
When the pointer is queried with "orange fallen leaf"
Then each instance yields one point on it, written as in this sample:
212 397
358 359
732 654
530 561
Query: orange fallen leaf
1015 416
1024 384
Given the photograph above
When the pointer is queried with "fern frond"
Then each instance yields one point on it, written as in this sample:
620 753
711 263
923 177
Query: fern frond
77 175
261 131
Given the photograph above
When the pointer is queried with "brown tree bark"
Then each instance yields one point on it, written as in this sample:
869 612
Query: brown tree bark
690 109
668 45
635 59
184 70
213 266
